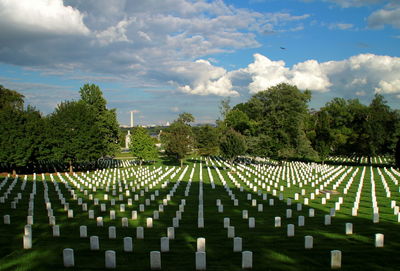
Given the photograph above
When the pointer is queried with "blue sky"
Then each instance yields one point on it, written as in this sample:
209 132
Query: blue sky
162 58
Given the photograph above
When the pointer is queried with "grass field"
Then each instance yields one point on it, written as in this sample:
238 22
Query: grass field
272 249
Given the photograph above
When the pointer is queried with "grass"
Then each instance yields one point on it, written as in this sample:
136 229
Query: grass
272 249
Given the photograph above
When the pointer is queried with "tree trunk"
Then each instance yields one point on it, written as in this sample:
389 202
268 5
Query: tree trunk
181 160
71 170
140 162
14 172
369 160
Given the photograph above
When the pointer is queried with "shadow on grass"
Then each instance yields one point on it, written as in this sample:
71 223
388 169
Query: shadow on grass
272 249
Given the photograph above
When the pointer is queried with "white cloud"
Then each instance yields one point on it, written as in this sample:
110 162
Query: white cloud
359 75
388 87
115 33
266 73
40 16
205 79
355 3
341 26
386 16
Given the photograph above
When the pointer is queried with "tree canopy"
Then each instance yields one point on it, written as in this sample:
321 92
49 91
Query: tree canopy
142 145
178 139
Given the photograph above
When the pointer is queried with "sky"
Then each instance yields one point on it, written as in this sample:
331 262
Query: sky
164 57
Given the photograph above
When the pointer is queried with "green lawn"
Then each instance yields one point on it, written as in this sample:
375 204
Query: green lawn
272 249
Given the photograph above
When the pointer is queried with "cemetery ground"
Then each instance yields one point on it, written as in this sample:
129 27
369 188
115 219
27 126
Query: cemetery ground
318 200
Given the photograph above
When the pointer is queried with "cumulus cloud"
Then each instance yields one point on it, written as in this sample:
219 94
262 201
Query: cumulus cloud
266 73
40 16
115 33
358 75
205 79
390 15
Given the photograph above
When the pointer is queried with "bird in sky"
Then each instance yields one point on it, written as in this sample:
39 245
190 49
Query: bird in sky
283 48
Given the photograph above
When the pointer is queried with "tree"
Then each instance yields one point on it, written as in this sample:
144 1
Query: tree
279 118
178 138
185 118
74 133
238 121
142 145
397 153
207 140
232 145
11 99
21 133
106 119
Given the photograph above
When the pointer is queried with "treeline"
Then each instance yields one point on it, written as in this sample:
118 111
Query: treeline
278 123
75 135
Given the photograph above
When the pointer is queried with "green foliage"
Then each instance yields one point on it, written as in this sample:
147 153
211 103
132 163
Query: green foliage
397 153
11 99
178 140
20 136
278 119
207 140
74 135
142 145
349 127
106 119
232 144
185 118
238 121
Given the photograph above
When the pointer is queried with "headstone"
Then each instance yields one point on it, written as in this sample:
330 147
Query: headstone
299 207
164 244
288 213
110 259
128 246
56 231
311 212
112 232
245 214
200 222
247 260
139 233
252 222
379 240
200 260
231 232
91 214
300 221
327 220
336 259
201 244
68 257
260 207
99 220
237 244
175 222
277 221
134 215
29 219
308 242
155 260
27 240
171 233
290 230
124 222
6 219
226 222
112 214
349 228
94 243
83 231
